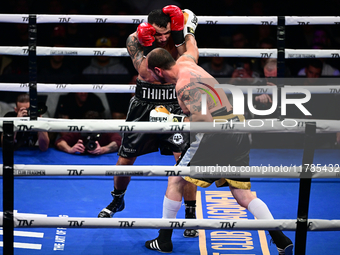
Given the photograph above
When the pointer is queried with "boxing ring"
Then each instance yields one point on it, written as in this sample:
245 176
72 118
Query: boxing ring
324 171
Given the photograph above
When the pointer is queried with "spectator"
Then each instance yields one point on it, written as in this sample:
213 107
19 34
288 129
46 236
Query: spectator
217 67
243 73
27 139
75 105
104 64
312 71
56 69
91 143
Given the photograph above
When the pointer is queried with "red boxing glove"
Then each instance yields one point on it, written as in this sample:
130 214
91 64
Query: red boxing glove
145 34
177 23
176 16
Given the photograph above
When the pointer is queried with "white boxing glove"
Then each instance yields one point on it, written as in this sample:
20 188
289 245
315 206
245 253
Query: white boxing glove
161 114
190 22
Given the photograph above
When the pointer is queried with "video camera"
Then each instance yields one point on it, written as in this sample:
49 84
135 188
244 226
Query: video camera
41 109
89 141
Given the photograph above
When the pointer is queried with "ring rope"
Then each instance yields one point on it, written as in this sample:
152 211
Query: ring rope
130 88
203 52
142 223
209 20
266 171
248 126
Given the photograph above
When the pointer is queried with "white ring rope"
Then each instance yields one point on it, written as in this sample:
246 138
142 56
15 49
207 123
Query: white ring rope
135 19
203 52
266 171
25 221
130 88
209 20
95 125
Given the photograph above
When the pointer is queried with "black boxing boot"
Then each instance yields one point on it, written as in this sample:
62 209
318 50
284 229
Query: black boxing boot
283 243
190 213
116 205
162 243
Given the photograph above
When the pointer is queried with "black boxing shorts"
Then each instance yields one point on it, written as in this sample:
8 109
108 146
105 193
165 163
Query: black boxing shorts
211 149
147 97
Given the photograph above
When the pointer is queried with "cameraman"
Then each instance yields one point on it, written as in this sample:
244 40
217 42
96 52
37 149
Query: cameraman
93 143
27 139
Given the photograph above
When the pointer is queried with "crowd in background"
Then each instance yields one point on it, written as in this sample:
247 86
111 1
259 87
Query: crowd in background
119 70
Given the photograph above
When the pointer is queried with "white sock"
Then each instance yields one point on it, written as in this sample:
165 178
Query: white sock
259 209
170 208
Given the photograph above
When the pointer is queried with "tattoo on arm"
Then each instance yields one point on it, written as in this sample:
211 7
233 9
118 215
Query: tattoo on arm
135 51
191 97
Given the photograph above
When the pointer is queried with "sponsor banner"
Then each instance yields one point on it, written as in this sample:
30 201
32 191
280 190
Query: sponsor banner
14 18
99 170
237 20
18 51
253 53
99 19
291 53
72 51
218 126
316 20
94 88
74 222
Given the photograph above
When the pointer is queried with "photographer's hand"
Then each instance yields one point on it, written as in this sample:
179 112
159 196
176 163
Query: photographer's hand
97 151
22 112
78 147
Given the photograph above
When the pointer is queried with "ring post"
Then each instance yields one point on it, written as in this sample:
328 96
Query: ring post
8 187
32 65
281 58
304 189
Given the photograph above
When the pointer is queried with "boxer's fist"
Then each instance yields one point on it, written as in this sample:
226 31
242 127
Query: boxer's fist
145 34
176 16
161 114
190 22
176 24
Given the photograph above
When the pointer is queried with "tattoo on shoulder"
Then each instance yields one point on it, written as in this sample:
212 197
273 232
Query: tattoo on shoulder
188 86
190 95
189 56
135 51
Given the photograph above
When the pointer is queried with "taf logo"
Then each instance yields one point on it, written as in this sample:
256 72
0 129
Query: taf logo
334 91
97 86
176 127
126 224
126 128
227 225
64 20
137 21
75 128
75 223
335 55
266 55
61 86
100 20
74 172
172 173
303 23
23 223
176 224
211 22
24 127
98 53
25 19
266 23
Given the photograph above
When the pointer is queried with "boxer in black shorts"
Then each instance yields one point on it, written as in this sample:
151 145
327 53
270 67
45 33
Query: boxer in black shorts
164 29
147 97
193 85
